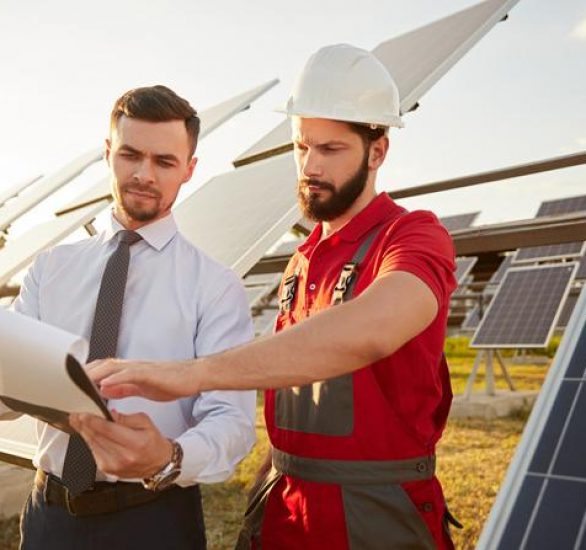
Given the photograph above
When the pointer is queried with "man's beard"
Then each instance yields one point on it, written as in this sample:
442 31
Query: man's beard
320 209
135 209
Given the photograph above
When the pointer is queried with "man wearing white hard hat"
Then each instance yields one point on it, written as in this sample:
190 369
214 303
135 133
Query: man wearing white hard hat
358 390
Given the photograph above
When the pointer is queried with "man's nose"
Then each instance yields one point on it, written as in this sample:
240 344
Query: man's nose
144 172
312 167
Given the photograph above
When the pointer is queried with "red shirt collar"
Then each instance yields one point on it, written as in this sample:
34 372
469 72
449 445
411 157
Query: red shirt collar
380 209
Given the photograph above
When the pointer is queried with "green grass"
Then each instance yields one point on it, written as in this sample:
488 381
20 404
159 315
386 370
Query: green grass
472 460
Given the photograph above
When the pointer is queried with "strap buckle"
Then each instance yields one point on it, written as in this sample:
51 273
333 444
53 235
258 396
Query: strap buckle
288 293
347 276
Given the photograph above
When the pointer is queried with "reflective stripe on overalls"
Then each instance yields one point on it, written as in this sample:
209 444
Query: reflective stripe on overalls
379 514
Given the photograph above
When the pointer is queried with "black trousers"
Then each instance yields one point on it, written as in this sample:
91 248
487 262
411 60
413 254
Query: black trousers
174 521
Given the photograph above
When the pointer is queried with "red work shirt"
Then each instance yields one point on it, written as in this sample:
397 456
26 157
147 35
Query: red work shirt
407 384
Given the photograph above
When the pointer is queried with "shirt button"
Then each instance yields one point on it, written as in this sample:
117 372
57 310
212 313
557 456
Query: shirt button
312 286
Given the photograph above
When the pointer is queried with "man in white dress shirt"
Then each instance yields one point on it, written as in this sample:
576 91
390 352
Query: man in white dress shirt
178 304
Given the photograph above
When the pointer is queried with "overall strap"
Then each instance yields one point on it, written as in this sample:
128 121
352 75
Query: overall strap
344 289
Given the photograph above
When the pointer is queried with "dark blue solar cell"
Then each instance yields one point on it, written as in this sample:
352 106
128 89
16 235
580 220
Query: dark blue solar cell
559 517
557 418
577 366
571 459
521 513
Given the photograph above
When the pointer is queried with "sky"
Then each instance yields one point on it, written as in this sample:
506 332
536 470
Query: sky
518 96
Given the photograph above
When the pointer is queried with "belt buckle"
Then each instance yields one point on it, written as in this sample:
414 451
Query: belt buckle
69 503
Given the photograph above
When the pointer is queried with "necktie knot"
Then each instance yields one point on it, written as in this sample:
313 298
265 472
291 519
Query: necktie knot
128 236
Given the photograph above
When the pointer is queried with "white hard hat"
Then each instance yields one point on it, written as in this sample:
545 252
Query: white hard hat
346 83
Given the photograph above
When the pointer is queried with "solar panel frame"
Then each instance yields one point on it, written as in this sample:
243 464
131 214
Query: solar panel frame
506 332
553 440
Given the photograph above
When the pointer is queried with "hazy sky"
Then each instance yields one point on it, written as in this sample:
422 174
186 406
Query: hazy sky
518 96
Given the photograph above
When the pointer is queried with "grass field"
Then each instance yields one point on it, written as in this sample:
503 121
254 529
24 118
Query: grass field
472 460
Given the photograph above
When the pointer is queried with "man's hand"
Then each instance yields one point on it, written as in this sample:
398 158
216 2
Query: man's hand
119 378
129 447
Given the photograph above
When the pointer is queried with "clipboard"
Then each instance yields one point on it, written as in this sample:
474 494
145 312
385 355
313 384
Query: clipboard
41 372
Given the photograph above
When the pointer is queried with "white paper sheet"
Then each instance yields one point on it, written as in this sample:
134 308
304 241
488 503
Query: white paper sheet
41 372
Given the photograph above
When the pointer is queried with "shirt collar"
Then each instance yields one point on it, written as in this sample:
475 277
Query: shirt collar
376 211
156 234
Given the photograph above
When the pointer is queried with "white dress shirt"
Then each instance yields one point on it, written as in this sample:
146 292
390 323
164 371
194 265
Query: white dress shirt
179 304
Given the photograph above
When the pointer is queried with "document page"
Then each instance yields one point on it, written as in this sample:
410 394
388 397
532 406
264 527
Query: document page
41 371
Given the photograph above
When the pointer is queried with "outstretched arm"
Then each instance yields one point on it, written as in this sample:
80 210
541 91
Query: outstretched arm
392 311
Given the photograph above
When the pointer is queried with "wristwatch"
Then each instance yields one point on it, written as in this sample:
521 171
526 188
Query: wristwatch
168 474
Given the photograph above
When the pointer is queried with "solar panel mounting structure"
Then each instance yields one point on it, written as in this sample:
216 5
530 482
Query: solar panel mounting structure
522 314
542 501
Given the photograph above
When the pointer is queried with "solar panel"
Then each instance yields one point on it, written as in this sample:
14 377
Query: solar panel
254 295
236 217
525 308
550 252
460 221
555 207
18 439
567 310
264 323
45 187
542 501
18 253
463 268
417 60
566 205
16 189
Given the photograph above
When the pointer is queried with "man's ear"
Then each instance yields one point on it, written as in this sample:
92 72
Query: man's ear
107 150
190 169
378 152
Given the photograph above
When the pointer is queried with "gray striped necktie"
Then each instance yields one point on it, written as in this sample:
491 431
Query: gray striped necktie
79 468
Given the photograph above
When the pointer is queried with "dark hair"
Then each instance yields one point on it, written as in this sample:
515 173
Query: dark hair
156 104
367 133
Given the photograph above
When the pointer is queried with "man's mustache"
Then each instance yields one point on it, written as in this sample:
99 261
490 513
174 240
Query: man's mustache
306 182
142 189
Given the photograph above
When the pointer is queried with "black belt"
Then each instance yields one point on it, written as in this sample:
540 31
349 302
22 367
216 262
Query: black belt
104 498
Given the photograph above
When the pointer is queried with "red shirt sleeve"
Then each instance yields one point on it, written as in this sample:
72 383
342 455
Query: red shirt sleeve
419 244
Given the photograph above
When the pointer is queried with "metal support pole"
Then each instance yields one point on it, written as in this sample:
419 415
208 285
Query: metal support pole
472 377
490 390
506 374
